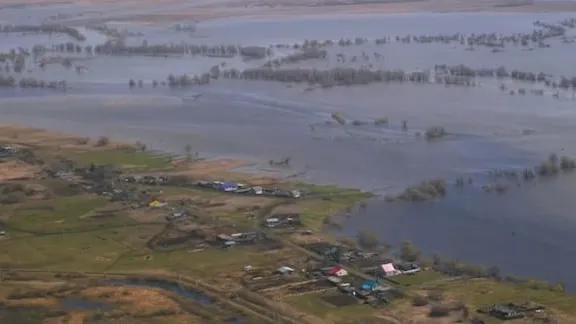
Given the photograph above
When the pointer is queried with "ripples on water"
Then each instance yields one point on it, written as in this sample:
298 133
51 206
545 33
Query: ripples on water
523 231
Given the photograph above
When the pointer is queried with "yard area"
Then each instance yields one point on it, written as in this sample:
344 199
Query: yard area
417 279
484 292
317 305
314 211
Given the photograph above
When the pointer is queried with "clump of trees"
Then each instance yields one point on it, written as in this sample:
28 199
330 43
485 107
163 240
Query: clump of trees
51 29
427 190
312 53
435 132
338 117
103 141
368 239
328 78
381 121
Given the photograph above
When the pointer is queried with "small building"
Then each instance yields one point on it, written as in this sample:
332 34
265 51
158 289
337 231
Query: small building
369 285
228 187
505 313
408 268
285 270
224 237
334 280
337 271
272 222
389 270
156 204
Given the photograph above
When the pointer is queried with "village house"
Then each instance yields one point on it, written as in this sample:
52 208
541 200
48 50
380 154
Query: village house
388 270
283 220
408 268
336 271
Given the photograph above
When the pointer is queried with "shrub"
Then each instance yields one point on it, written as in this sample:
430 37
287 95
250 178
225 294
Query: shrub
367 239
102 141
12 198
435 295
547 169
435 132
381 121
567 163
427 190
339 118
82 141
419 301
439 311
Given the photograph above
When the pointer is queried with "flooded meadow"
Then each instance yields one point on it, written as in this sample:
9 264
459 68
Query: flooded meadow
348 98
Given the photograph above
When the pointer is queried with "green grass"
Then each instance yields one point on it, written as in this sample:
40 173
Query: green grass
313 304
128 158
60 214
327 189
95 251
207 263
482 292
314 211
418 278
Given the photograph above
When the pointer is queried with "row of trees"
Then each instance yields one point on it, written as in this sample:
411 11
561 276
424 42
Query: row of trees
51 29
10 82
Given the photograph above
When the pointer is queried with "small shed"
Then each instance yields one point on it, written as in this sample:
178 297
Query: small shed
337 271
285 270
228 186
369 285
389 270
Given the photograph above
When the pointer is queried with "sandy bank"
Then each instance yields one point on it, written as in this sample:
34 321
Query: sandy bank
169 11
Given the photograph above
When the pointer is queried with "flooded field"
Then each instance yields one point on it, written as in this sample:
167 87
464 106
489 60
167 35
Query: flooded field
493 121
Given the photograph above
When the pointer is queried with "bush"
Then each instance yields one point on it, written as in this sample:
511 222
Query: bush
381 121
567 163
419 301
367 239
12 198
435 132
435 295
102 141
82 141
427 190
547 169
339 118
439 311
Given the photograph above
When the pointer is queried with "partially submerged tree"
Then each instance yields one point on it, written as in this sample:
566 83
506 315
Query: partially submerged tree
409 252
367 239
435 132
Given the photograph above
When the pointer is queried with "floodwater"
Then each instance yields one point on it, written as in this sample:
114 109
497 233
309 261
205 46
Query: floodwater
74 303
524 230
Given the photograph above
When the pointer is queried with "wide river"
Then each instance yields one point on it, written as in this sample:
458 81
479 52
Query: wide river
530 230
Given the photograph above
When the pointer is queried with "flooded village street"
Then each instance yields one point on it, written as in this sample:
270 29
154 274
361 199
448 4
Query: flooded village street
492 122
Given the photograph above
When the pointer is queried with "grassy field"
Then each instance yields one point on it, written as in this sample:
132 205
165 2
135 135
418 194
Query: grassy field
313 304
482 292
125 157
418 278
59 214
314 211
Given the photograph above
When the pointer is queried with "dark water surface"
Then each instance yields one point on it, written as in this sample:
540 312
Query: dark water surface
523 231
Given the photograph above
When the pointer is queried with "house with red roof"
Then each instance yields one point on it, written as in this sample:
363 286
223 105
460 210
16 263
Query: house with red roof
337 271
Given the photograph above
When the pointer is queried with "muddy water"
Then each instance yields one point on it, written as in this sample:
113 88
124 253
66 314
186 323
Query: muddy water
523 231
